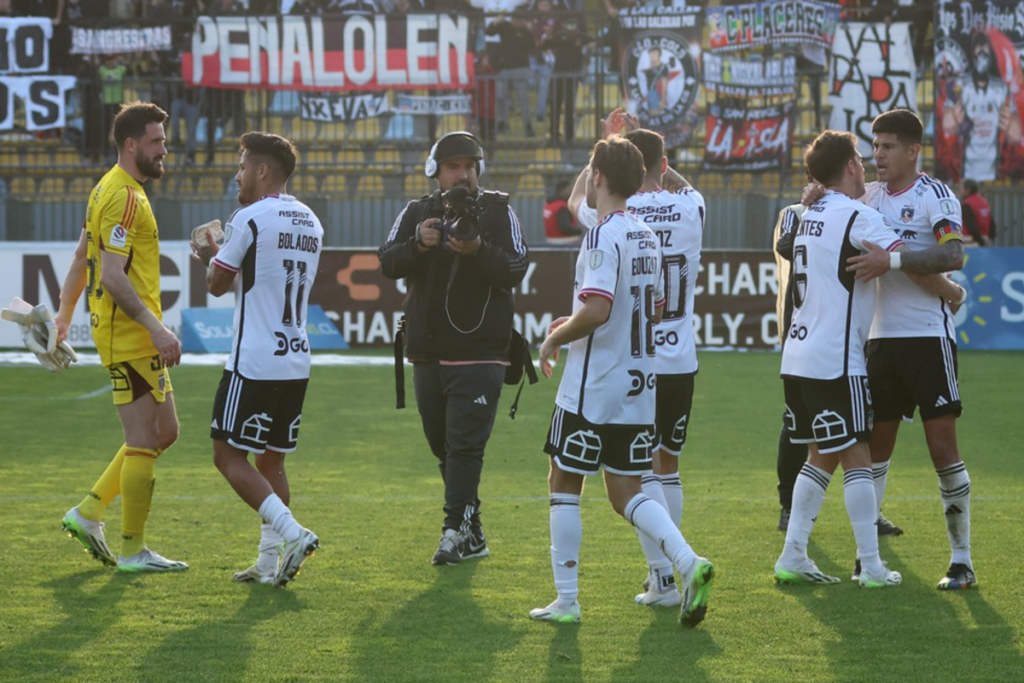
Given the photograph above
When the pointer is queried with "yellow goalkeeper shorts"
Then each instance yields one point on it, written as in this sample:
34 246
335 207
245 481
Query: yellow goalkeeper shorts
134 379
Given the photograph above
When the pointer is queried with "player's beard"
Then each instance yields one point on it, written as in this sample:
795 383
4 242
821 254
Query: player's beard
149 167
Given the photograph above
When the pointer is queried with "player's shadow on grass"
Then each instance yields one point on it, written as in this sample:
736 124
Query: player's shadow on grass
88 614
439 635
565 662
684 647
894 633
217 649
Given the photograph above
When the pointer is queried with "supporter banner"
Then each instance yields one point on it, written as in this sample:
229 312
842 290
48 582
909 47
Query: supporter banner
98 41
422 106
44 99
660 69
726 76
25 45
742 138
737 27
872 72
341 52
330 108
979 89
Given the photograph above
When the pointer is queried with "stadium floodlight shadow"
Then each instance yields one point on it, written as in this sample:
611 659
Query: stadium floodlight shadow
218 649
439 634
88 613
689 647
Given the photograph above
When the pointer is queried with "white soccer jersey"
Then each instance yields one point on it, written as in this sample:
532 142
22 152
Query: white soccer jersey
274 246
904 309
981 107
831 310
610 375
677 218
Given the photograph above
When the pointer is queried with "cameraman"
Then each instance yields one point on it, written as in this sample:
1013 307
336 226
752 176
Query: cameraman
462 254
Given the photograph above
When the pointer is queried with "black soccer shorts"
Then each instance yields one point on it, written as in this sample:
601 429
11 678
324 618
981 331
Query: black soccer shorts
914 371
577 445
675 400
254 415
833 413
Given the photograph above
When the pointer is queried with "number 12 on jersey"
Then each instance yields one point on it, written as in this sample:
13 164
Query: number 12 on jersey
642 321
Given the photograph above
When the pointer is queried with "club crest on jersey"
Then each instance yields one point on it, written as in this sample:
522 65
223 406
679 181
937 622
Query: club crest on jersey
907 214
596 259
118 236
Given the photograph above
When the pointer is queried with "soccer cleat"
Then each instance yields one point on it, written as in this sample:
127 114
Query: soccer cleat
255 575
959 577
887 528
147 562
696 592
293 554
89 534
856 570
885 580
559 613
783 520
807 573
656 598
472 544
447 549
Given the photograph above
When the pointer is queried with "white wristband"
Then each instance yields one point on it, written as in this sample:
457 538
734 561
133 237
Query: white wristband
894 260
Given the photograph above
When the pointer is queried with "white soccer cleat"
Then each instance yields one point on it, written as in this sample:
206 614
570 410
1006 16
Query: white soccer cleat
89 534
254 574
558 613
657 598
807 572
146 561
293 554
887 579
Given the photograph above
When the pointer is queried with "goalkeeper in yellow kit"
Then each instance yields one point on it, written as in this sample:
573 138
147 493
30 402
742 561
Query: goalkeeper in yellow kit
117 263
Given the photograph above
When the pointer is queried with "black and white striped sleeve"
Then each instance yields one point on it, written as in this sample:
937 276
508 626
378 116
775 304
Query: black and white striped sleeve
505 258
398 253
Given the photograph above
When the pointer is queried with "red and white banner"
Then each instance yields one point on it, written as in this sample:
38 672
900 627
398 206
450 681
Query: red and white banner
343 52
742 138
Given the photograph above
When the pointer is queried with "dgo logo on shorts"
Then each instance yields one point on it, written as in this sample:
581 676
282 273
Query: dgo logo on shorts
118 236
660 76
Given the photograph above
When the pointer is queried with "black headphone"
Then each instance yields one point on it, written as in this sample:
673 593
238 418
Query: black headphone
430 168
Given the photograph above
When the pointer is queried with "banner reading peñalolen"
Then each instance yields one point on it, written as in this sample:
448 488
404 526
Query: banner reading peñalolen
737 27
872 72
340 52
24 49
979 89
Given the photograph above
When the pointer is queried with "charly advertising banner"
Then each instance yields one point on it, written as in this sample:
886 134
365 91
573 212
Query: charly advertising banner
872 72
661 69
105 41
979 89
738 27
340 52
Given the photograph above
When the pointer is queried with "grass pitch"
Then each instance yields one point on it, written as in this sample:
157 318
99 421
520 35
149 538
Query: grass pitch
369 607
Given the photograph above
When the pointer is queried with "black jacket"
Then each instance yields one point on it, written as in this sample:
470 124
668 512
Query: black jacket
458 308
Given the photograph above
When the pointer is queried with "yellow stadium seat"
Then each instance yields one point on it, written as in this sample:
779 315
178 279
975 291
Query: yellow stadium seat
52 188
80 187
24 187
417 185
334 183
531 183
370 184
210 185
66 157
9 160
317 157
351 157
303 184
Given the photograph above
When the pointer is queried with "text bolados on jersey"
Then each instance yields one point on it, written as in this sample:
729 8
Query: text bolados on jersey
923 215
274 246
610 375
832 311
677 218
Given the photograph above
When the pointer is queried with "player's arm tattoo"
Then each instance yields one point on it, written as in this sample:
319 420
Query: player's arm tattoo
939 259
674 182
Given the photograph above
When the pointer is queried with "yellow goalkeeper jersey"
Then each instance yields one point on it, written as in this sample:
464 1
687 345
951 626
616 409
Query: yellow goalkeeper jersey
119 220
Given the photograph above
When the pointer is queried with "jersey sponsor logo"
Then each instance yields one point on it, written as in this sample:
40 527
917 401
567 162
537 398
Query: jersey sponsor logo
640 449
254 427
907 214
639 381
118 236
596 258
583 445
948 206
286 345
829 425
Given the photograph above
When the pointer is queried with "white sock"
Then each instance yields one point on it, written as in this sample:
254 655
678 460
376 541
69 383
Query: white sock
275 513
879 472
955 487
808 495
672 490
660 566
270 548
653 520
859 494
566 537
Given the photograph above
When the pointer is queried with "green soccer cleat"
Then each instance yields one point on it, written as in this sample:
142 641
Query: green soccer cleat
807 573
887 579
558 613
147 562
696 592
89 534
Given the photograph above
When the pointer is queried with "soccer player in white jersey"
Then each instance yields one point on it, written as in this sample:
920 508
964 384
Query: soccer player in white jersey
605 408
677 218
824 368
912 359
273 250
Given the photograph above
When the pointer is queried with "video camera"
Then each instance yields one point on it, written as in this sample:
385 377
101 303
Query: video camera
462 212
